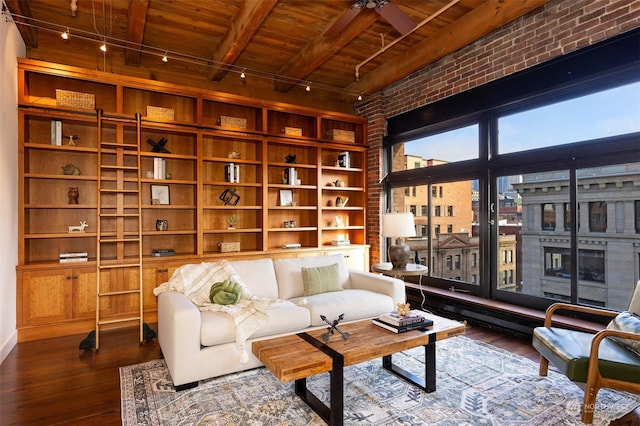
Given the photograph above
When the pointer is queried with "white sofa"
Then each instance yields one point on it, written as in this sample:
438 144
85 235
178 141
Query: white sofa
198 345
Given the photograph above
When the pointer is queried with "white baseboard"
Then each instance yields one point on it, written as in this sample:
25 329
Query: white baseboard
7 345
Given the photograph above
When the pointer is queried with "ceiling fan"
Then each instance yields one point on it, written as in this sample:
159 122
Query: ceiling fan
389 11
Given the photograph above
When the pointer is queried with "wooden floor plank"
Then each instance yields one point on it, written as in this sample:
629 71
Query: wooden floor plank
52 382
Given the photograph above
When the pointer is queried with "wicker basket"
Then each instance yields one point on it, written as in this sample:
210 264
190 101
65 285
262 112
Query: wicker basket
235 122
342 135
75 99
159 113
229 247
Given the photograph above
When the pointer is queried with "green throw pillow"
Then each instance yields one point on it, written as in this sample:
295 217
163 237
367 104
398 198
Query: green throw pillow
629 323
320 279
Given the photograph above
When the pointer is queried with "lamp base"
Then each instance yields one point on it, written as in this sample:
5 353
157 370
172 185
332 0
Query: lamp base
399 255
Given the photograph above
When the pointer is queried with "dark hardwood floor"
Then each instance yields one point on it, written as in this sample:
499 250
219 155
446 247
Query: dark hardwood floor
52 382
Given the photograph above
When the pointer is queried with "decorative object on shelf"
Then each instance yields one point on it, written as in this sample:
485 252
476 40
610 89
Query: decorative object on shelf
163 252
339 183
398 225
79 228
229 197
160 113
292 131
333 326
341 202
232 221
290 224
235 122
344 159
228 247
72 139
329 203
290 158
70 169
72 99
339 222
416 259
290 176
159 146
331 184
73 195
286 197
404 309
160 195
340 242
342 135
235 155
162 225
56 132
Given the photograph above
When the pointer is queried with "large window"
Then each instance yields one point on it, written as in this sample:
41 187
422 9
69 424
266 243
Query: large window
533 185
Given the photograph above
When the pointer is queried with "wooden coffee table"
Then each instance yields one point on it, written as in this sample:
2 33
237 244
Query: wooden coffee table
298 356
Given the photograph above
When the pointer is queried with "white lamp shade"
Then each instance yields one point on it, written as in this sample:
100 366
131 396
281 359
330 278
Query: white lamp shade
398 225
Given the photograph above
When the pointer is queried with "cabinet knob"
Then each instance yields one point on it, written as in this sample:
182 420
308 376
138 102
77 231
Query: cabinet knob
75 277
68 277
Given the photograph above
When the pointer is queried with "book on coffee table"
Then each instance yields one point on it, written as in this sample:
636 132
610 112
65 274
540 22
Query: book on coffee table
394 318
425 323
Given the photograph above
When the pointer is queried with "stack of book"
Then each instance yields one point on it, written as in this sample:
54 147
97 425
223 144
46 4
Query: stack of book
401 323
81 256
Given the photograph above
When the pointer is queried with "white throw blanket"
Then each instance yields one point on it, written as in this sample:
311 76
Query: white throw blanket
195 281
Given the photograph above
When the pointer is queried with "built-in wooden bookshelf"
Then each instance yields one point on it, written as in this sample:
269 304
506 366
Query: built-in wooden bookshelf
202 134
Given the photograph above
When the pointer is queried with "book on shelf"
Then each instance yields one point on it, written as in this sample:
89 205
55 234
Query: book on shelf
159 168
74 259
395 319
232 173
402 328
56 132
74 254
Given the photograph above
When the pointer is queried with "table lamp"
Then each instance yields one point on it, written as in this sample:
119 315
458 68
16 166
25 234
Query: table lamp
398 225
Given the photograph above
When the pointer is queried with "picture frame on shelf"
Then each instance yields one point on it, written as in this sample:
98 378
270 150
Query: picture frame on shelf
286 197
160 195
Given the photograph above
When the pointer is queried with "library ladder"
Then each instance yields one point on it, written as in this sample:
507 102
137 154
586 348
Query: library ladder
119 300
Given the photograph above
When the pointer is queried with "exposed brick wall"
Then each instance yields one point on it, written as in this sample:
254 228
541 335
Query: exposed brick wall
555 29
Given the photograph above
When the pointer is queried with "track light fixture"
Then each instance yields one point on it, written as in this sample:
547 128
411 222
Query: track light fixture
359 97
103 47
65 34
164 58
308 88
242 75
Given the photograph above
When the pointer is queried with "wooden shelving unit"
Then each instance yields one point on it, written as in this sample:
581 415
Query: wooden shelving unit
202 134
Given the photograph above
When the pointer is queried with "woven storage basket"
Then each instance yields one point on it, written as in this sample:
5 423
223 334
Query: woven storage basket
342 135
159 113
228 247
75 99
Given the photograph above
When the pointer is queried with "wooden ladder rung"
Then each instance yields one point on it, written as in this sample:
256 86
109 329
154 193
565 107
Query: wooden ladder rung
119 293
115 321
121 265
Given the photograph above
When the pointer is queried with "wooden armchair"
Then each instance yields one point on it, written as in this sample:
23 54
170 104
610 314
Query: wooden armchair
593 359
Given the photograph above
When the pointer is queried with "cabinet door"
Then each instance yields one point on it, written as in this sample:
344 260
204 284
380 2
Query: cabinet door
46 296
354 257
152 276
84 292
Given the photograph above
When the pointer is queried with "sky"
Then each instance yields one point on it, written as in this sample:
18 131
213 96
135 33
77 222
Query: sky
612 112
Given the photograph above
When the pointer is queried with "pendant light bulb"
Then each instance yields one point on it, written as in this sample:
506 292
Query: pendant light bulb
103 47
308 88
359 97
242 75
164 58
65 34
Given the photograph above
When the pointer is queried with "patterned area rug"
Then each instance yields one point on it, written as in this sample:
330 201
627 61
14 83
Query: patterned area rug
477 384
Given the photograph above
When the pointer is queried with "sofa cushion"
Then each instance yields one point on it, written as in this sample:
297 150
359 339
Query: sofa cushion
289 273
217 327
258 276
629 323
353 303
320 279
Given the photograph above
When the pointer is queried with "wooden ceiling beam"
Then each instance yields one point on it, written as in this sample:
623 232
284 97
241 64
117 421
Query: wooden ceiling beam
19 8
320 50
247 21
479 22
135 31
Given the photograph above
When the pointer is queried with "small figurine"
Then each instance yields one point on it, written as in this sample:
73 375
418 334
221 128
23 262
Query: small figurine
83 225
403 309
233 155
71 139
291 158
73 195
70 169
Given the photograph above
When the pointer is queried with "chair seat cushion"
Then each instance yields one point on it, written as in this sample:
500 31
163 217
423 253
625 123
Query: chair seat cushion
568 351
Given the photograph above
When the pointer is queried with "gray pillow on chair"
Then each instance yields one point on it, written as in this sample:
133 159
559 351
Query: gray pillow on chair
629 323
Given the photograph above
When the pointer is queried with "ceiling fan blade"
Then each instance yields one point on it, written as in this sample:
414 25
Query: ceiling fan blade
344 20
396 17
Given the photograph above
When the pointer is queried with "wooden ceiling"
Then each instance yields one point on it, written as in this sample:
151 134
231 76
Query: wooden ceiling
281 45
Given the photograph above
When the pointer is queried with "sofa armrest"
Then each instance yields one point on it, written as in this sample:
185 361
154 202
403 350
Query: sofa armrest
179 324
382 284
